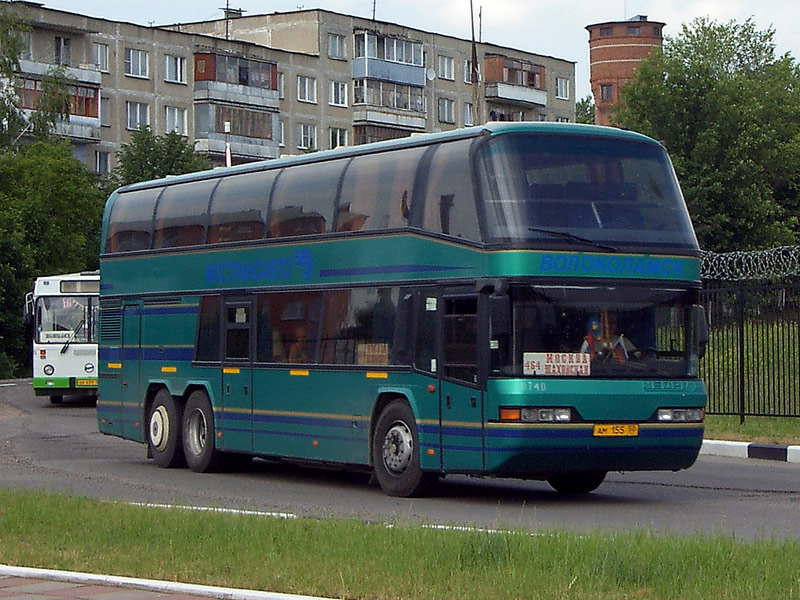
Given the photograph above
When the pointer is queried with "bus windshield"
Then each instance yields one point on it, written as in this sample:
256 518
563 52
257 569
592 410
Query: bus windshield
631 331
555 189
66 318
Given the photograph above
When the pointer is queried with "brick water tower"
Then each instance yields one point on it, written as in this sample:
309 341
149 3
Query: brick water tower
615 50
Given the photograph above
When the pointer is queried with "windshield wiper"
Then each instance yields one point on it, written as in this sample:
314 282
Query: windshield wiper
72 335
572 237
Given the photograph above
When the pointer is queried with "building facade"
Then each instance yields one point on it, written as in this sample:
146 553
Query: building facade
616 49
279 84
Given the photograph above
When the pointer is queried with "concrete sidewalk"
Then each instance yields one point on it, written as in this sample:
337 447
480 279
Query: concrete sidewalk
23 583
751 450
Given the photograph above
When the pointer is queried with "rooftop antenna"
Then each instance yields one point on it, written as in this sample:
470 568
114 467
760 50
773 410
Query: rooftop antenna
374 2
230 13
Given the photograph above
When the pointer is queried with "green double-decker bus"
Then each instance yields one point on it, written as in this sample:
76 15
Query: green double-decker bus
511 300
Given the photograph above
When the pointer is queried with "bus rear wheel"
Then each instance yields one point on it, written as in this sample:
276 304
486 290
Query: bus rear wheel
164 431
199 447
395 453
577 483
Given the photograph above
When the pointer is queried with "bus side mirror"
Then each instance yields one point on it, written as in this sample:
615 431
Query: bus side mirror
702 329
27 311
500 315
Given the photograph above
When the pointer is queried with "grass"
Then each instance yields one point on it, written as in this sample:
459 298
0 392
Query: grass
765 430
352 559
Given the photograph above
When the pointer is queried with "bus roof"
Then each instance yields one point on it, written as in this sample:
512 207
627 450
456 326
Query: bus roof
491 129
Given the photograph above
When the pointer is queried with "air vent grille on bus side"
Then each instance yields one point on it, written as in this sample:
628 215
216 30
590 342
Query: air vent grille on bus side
110 324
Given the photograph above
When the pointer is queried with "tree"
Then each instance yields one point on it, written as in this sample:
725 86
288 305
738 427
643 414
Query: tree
150 156
584 110
728 110
54 93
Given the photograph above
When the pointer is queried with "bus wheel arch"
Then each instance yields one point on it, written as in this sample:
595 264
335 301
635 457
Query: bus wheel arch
395 449
164 428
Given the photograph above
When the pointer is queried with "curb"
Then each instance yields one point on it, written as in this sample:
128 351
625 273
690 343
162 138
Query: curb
751 450
164 587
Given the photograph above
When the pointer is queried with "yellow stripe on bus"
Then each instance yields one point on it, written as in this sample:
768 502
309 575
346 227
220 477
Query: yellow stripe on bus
299 372
377 375
114 365
231 370
169 369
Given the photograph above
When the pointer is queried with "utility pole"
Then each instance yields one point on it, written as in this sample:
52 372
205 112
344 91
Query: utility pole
477 116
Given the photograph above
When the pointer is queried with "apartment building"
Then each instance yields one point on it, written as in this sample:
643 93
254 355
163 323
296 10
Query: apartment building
375 80
278 84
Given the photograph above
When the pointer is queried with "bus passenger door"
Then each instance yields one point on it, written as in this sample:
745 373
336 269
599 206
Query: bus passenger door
460 391
237 374
131 415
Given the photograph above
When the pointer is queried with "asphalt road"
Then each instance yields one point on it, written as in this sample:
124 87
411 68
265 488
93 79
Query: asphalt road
59 448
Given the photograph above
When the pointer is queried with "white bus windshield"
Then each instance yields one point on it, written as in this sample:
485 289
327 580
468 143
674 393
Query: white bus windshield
568 189
62 319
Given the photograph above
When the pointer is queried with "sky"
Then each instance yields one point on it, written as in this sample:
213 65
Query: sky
540 26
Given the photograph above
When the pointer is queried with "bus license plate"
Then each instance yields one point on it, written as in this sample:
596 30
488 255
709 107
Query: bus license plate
627 430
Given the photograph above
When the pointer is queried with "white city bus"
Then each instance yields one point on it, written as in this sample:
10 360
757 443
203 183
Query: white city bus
63 312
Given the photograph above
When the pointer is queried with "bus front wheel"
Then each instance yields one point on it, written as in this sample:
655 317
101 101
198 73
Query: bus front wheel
198 434
164 430
395 453
577 483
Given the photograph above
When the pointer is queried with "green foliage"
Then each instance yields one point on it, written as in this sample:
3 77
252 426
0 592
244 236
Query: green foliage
728 110
584 110
50 216
149 156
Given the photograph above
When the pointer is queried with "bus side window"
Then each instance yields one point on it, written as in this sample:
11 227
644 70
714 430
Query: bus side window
359 326
449 194
239 207
182 213
287 327
208 330
131 221
303 199
376 190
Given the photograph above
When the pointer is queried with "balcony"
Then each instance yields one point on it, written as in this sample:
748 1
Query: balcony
217 91
384 70
241 147
518 95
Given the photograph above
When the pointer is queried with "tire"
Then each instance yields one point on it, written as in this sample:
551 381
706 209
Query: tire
199 445
164 431
395 453
577 483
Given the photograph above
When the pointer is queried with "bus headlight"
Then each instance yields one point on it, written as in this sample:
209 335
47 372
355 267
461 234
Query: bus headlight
681 415
536 414
49 370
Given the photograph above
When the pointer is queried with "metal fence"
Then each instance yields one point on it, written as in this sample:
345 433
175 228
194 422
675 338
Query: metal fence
752 364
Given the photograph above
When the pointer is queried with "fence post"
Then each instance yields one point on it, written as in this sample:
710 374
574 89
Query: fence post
741 313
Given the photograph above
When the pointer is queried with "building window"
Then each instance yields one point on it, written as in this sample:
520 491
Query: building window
395 50
336 46
136 62
446 110
62 51
634 30
606 31
338 137
606 92
562 119
469 115
306 89
281 139
100 56
306 136
656 31
83 101
390 95
25 39
101 162
446 67
175 69
562 88
338 93
243 122
541 117
467 71
137 115
175 120
281 86
105 112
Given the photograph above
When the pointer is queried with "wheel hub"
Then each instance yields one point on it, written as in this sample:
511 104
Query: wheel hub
398 448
